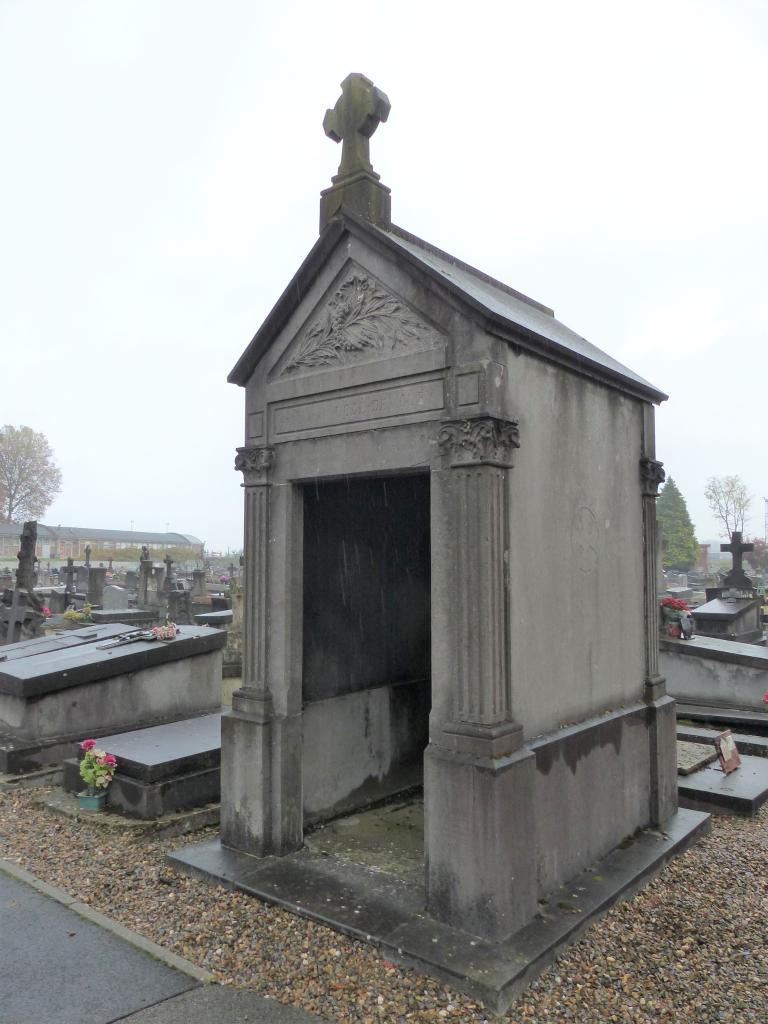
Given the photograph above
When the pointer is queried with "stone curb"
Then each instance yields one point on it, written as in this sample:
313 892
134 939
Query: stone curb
96 917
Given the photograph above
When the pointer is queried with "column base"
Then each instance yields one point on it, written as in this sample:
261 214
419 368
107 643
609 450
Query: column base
261 793
663 757
478 824
500 740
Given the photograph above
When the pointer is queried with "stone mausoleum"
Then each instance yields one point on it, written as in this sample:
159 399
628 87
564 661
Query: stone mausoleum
450 572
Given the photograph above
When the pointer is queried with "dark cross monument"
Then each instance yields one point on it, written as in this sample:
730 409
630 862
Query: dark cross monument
357 114
69 574
23 619
26 557
737 578
169 582
732 611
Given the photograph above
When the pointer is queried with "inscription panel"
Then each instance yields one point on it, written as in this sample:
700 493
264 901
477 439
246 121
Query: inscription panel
413 399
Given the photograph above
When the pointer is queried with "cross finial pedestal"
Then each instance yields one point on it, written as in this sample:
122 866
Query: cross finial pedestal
357 114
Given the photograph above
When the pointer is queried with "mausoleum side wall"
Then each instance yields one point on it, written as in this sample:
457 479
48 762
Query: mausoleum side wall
576 553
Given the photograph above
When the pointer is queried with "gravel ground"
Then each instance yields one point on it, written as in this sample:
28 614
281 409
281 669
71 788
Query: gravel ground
690 948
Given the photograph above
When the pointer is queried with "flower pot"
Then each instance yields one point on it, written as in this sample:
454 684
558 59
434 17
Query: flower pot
673 629
92 801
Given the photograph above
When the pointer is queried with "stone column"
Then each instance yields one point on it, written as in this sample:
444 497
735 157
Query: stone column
96 578
145 572
246 732
198 583
661 707
478 779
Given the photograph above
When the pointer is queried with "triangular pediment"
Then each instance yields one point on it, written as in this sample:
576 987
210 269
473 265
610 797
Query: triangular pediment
358 320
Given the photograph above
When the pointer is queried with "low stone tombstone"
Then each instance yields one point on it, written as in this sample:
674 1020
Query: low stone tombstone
131 579
96 580
57 600
82 578
198 583
115 598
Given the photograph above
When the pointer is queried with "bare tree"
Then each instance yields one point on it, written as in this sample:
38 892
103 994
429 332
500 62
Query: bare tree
729 501
29 478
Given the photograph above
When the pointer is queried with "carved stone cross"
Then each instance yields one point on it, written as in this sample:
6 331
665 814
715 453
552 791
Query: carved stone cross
737 549
737 577
357 114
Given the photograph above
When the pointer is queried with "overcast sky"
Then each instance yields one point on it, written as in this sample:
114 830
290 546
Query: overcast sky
159 186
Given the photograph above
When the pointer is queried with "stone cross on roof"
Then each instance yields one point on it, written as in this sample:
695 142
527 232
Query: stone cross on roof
737 577
358 112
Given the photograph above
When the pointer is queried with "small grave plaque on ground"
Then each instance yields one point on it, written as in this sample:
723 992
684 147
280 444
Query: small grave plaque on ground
727 753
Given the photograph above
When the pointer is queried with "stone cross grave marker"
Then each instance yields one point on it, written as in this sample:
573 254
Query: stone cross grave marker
737 577
68 572
358 112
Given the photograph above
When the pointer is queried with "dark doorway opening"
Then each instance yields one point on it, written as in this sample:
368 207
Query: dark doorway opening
366 646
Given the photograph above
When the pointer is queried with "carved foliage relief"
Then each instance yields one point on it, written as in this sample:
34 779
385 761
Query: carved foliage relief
254 462
361 320
652 476
486 440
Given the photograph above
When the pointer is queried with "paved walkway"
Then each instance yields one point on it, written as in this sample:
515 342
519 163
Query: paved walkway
64 963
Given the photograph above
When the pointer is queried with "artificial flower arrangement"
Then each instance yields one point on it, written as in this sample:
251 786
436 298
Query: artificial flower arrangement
73 615
97 767
672 609
166 632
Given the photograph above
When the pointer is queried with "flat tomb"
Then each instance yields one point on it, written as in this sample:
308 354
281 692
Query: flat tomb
161 769
54 690
742 792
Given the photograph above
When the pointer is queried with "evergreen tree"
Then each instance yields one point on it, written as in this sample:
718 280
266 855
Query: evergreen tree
680 547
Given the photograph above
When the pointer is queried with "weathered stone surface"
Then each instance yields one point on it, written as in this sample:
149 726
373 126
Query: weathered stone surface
692 756
390 367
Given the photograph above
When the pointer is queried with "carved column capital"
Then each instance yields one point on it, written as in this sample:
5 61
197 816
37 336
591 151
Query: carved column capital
652 476
476 442
255 464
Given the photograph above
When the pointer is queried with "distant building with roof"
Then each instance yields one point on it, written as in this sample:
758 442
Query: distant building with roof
71 541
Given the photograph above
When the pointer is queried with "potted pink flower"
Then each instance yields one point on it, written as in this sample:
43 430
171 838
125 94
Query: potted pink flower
97 769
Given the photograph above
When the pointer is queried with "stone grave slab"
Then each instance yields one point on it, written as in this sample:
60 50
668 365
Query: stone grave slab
742 792
221 618
746 742
135 617
692 756
750 721
161 769
58 690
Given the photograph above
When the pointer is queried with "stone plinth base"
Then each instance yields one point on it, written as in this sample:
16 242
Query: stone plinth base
386 911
